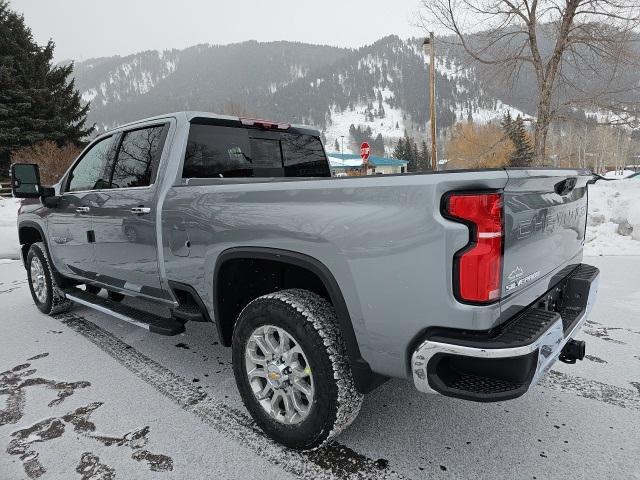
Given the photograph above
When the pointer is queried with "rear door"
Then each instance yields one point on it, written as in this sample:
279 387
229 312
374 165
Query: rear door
126 254
545 222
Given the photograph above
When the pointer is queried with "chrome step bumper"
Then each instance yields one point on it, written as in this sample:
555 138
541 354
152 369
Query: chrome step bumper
536 356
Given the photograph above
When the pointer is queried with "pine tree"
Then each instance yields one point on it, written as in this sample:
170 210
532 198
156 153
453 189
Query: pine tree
522 155
337 146
400 152
424 162
37 100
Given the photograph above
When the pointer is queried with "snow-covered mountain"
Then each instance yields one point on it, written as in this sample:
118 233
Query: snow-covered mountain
382 86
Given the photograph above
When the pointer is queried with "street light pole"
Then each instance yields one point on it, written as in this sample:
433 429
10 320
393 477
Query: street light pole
342 153
429 48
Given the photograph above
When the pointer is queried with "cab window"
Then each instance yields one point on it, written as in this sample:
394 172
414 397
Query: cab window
137 158
92 171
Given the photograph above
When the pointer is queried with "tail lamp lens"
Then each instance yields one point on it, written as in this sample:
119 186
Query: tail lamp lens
478 266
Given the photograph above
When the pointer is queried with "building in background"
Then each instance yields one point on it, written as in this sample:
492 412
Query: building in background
344 164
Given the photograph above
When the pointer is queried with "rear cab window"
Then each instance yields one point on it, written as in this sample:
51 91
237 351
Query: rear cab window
217 151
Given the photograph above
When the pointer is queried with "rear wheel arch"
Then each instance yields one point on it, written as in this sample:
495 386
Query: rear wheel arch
228 299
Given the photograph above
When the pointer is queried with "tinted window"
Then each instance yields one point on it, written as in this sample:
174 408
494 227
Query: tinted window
217 152
138 157
266 157
304 156
228 152
91 173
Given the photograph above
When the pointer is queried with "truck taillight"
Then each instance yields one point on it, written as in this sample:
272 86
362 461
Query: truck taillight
477 269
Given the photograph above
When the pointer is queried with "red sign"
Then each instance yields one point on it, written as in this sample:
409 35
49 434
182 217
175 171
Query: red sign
365 151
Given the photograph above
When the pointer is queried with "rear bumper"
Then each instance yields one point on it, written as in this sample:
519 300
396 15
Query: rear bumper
504 363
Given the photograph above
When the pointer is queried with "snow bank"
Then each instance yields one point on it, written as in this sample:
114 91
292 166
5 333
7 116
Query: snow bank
8 231
619 173
613 225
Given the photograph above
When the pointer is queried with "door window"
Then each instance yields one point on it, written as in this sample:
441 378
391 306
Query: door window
137 158
91 172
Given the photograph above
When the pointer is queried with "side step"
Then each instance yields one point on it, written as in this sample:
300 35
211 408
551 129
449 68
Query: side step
153 323
188 313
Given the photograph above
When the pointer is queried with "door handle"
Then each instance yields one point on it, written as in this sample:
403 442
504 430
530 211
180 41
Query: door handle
82 209
140 210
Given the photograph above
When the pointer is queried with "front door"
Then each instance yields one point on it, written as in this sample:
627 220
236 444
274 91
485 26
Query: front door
124 223
69 224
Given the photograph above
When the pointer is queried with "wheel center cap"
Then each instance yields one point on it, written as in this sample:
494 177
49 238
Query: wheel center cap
275 375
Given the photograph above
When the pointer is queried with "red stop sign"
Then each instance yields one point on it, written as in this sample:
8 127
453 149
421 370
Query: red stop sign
365 151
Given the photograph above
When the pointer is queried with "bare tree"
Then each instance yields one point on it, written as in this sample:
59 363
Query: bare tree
580 51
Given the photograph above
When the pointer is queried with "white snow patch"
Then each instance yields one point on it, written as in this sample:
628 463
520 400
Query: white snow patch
89 95
613 225
340 122
9 246
619 173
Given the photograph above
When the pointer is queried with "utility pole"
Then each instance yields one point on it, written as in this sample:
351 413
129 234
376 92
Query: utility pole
429 48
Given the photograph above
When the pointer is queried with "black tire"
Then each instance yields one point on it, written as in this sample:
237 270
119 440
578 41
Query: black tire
311 321
115 296
51 299
92 289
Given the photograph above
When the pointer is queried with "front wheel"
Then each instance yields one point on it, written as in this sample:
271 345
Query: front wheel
292 370
44 290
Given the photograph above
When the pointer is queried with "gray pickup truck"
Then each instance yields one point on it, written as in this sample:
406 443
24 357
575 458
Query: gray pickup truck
470 283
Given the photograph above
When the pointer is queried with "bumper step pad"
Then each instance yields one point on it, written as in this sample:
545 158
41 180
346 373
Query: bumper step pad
153 323
524 329
484 385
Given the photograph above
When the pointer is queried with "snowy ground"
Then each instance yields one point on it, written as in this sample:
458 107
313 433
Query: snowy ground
8 230
86 396
613 226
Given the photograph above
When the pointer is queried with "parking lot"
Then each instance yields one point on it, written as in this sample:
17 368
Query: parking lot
87 396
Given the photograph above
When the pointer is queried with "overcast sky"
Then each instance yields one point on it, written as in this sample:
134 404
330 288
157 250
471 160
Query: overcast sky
83 29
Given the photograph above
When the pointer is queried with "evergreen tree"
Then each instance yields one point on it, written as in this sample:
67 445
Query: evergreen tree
424 159
337 146
400 152
411 153
37 100
522 156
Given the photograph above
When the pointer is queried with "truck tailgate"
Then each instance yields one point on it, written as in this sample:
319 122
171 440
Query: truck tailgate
545 213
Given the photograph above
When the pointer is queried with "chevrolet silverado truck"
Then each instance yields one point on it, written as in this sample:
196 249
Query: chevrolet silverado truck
470 283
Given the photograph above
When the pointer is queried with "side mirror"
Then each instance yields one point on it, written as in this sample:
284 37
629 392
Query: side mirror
25 180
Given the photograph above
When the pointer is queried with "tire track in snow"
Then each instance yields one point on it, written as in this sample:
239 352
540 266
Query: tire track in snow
583 387
330 462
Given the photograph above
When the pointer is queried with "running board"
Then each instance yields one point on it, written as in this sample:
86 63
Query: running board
153 323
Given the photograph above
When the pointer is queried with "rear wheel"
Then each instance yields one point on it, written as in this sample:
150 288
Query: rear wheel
292 370
45 292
